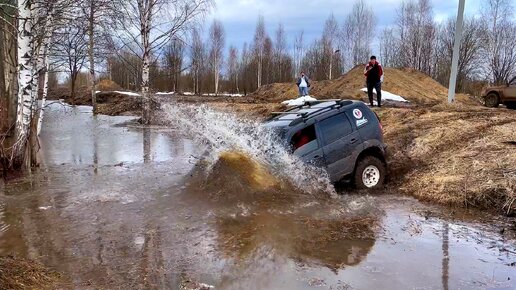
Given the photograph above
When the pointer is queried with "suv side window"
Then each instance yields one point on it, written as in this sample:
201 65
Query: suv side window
335 128
304 141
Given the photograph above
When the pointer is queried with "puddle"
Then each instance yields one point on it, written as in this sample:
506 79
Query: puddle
161 222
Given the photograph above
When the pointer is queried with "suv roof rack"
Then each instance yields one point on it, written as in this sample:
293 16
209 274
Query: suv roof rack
303 116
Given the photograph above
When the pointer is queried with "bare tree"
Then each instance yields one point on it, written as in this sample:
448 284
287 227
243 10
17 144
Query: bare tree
298 52
98 14
388 47
329 42
150 24
233 69
259 48
72 50
198 57
174 57
499 39
216 51
357 34
469 53
415 35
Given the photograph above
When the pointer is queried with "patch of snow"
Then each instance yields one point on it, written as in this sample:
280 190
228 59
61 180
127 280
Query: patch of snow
165 93
389 96
44 207
299 101
222 95
127 93
188 94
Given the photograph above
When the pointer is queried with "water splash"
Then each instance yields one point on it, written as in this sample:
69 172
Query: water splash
222 132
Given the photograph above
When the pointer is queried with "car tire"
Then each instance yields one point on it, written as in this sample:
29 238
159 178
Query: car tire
492 100
369 173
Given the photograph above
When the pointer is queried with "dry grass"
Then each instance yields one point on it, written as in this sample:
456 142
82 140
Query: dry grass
25 274
457 157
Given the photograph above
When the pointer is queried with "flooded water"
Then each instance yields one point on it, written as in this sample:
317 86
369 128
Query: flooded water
116 206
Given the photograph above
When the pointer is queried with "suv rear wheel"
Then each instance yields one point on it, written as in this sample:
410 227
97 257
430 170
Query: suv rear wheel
369 173
492 100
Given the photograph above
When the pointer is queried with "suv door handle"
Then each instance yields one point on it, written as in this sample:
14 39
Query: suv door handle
354 140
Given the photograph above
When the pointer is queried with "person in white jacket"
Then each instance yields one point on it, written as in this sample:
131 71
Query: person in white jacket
303 83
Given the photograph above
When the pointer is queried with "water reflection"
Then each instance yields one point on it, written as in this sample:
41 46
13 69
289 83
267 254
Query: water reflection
446 257
72 135
147 145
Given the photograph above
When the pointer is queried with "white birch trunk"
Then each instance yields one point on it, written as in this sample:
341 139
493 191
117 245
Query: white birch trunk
26 83
91 44
44 95
145 14
216 72
42 64
145 90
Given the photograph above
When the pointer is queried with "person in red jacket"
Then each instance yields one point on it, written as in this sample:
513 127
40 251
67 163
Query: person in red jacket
374 77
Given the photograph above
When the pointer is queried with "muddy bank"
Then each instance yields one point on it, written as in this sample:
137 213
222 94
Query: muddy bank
20 274
109 103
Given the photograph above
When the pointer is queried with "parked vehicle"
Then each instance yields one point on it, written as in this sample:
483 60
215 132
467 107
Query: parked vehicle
506 94
345 137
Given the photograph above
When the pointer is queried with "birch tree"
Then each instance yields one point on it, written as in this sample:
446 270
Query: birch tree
197 57
149 25
259 48
233 67
357 34
329 41
26 82
97 13
298 52
216 51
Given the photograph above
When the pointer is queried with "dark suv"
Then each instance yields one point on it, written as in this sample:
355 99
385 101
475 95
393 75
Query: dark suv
343 136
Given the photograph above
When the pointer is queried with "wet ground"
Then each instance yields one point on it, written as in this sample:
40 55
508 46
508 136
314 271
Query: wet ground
115 206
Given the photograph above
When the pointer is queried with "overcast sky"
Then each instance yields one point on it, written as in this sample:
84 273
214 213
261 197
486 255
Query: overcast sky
240 16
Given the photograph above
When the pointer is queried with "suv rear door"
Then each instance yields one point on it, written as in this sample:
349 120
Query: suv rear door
339 140
305 143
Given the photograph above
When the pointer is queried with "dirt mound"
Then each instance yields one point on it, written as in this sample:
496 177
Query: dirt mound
454 155
108 85
109 102
415 86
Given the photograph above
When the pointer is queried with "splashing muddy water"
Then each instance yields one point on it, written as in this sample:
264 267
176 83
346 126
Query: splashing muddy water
224 132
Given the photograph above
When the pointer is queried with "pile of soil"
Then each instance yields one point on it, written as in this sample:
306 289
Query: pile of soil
108 102
26 274
416 87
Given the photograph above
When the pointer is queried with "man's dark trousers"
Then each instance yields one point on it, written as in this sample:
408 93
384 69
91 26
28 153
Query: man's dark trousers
378 87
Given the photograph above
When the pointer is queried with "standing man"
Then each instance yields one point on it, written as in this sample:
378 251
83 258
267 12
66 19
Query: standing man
374 77
303 83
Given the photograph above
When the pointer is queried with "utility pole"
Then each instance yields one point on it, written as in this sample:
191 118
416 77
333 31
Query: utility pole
456 48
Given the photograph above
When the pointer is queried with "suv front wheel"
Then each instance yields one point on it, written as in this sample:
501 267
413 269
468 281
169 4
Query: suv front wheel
369 173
